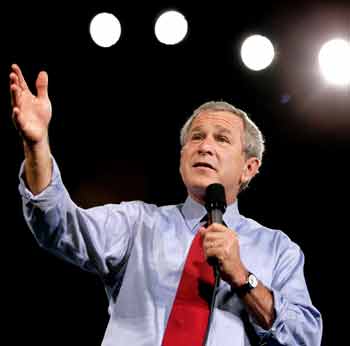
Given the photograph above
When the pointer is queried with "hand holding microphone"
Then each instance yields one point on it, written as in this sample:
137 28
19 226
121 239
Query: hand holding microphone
220 244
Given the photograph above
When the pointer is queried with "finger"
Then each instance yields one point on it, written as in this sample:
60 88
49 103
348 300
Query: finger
15 93
15 112
12 93
217 227
213 236
13 78
21 80
214 244
13 83
16 117
202 230
209 247
212 253
42 84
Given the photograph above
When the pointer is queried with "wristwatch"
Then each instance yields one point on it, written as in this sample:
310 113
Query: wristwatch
251 283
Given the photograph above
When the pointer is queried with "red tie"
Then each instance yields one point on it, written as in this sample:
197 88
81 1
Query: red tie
188 319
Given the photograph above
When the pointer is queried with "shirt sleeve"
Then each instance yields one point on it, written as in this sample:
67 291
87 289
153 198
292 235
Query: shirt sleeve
297 321
98 239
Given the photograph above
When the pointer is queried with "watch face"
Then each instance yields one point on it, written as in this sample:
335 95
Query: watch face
252 280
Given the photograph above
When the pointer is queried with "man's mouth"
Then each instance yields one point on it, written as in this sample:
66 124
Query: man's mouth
204 165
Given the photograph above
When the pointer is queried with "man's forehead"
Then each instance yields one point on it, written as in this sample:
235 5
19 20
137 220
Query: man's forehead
220 119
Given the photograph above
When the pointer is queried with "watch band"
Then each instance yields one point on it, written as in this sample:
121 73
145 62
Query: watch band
250 284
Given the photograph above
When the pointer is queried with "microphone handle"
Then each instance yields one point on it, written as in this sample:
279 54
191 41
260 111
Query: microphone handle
215 215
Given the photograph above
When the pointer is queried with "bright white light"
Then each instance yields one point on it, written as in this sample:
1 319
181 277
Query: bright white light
257 52
171 27
105 29
334 59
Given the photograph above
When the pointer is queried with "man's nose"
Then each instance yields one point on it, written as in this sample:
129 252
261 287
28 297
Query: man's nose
206 146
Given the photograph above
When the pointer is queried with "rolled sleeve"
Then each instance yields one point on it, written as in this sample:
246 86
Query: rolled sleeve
297 321
295 324
84 237
49 196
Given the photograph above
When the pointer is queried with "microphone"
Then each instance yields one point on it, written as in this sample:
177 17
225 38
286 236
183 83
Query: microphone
215 203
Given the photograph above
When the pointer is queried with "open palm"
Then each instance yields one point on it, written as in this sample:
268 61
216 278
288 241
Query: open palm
31 114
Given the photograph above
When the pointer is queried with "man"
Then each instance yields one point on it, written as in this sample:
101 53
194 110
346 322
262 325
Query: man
139 250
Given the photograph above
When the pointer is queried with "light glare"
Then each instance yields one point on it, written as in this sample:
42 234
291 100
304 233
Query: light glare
171 27
334 60
105 29
257 52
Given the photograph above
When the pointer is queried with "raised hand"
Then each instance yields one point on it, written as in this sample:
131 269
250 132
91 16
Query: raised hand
30 113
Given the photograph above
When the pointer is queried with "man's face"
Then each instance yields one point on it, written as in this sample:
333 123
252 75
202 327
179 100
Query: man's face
213 153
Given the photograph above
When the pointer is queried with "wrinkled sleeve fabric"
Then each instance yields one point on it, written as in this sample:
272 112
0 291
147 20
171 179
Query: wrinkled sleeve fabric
96 239
297 321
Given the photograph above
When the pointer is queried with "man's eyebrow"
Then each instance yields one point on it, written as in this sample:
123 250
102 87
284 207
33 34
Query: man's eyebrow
223 129
218 127
197 128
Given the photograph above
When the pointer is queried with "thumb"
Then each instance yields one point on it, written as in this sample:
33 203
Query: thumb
42 84
202 230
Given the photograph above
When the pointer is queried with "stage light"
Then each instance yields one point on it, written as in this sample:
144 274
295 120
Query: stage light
334 60
257 52
171 27
105 29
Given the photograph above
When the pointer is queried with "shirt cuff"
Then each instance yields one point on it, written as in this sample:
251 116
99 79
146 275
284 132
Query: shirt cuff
277 328
49 196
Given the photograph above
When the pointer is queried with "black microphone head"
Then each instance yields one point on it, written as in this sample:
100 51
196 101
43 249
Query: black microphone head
215 197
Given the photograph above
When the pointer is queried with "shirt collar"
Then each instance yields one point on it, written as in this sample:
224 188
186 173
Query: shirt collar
194 212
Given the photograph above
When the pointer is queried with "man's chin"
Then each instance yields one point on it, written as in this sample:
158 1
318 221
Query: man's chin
198 191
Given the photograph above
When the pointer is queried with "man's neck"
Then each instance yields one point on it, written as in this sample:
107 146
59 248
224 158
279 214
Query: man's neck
199 198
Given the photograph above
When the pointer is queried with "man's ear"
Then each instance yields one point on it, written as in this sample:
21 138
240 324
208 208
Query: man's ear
251 168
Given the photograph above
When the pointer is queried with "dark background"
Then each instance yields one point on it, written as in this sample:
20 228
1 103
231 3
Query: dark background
117 114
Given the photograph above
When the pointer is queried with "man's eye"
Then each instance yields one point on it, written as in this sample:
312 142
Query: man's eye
196 136
223 139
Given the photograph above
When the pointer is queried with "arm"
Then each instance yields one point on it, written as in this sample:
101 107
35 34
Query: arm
31 115
83 237
97 239
297 321
222 243
283 312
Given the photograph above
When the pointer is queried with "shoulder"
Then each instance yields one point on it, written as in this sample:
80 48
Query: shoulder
278 254
141 209
273 236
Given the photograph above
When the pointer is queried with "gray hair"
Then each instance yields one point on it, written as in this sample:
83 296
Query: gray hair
253 143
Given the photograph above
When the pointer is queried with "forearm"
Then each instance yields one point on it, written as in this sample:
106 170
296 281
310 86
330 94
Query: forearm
282 311
37 166
275 317
288 318
61 227
259 303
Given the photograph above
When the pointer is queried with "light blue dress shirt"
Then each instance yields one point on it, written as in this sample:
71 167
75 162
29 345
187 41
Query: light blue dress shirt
139 250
